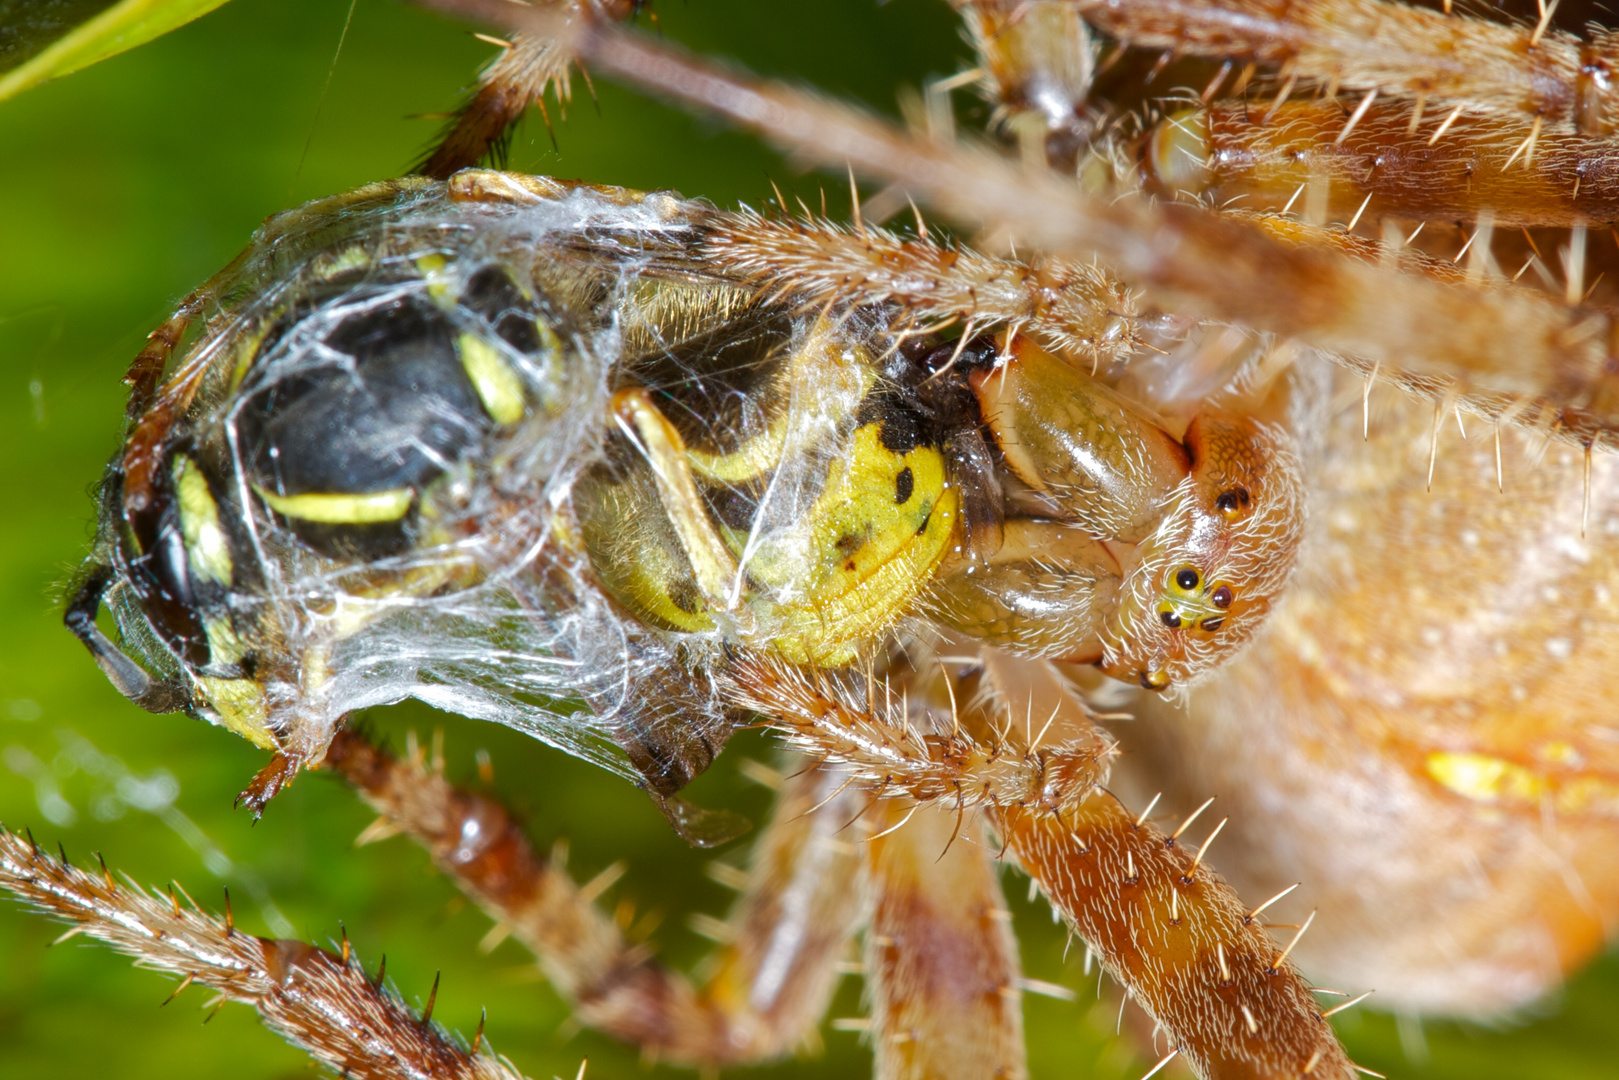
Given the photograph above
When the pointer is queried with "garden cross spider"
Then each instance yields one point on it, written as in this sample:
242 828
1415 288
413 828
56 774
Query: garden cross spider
630 473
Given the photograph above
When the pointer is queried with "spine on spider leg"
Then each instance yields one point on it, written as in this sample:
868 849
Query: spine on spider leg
744 1013
1178 939
1073 308
1386 160
314 999
1387 47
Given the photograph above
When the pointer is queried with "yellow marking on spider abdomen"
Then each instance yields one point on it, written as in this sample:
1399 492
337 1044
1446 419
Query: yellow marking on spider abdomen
1495 781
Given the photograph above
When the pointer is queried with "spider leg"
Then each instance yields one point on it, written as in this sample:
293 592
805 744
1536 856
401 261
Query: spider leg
1390 48
1075 308
315 999
1389 161
1161 920
941 960
1035 64
519 77
1549 360
772 980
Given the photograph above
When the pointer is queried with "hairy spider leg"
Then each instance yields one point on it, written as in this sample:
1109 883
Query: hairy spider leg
771 981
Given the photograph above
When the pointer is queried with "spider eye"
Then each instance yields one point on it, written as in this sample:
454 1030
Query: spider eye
1213 623
1154 680
1221 597
1233 502
1186 579
1170 617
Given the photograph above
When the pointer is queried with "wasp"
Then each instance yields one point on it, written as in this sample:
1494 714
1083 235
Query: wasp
630 474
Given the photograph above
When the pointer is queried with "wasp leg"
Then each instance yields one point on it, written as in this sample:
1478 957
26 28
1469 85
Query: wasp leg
316 1000
799 908
941 959
712 563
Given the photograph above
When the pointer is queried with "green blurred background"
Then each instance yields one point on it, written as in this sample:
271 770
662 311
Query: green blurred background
127 184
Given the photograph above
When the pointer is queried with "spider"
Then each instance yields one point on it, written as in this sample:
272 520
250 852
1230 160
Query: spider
1484 788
